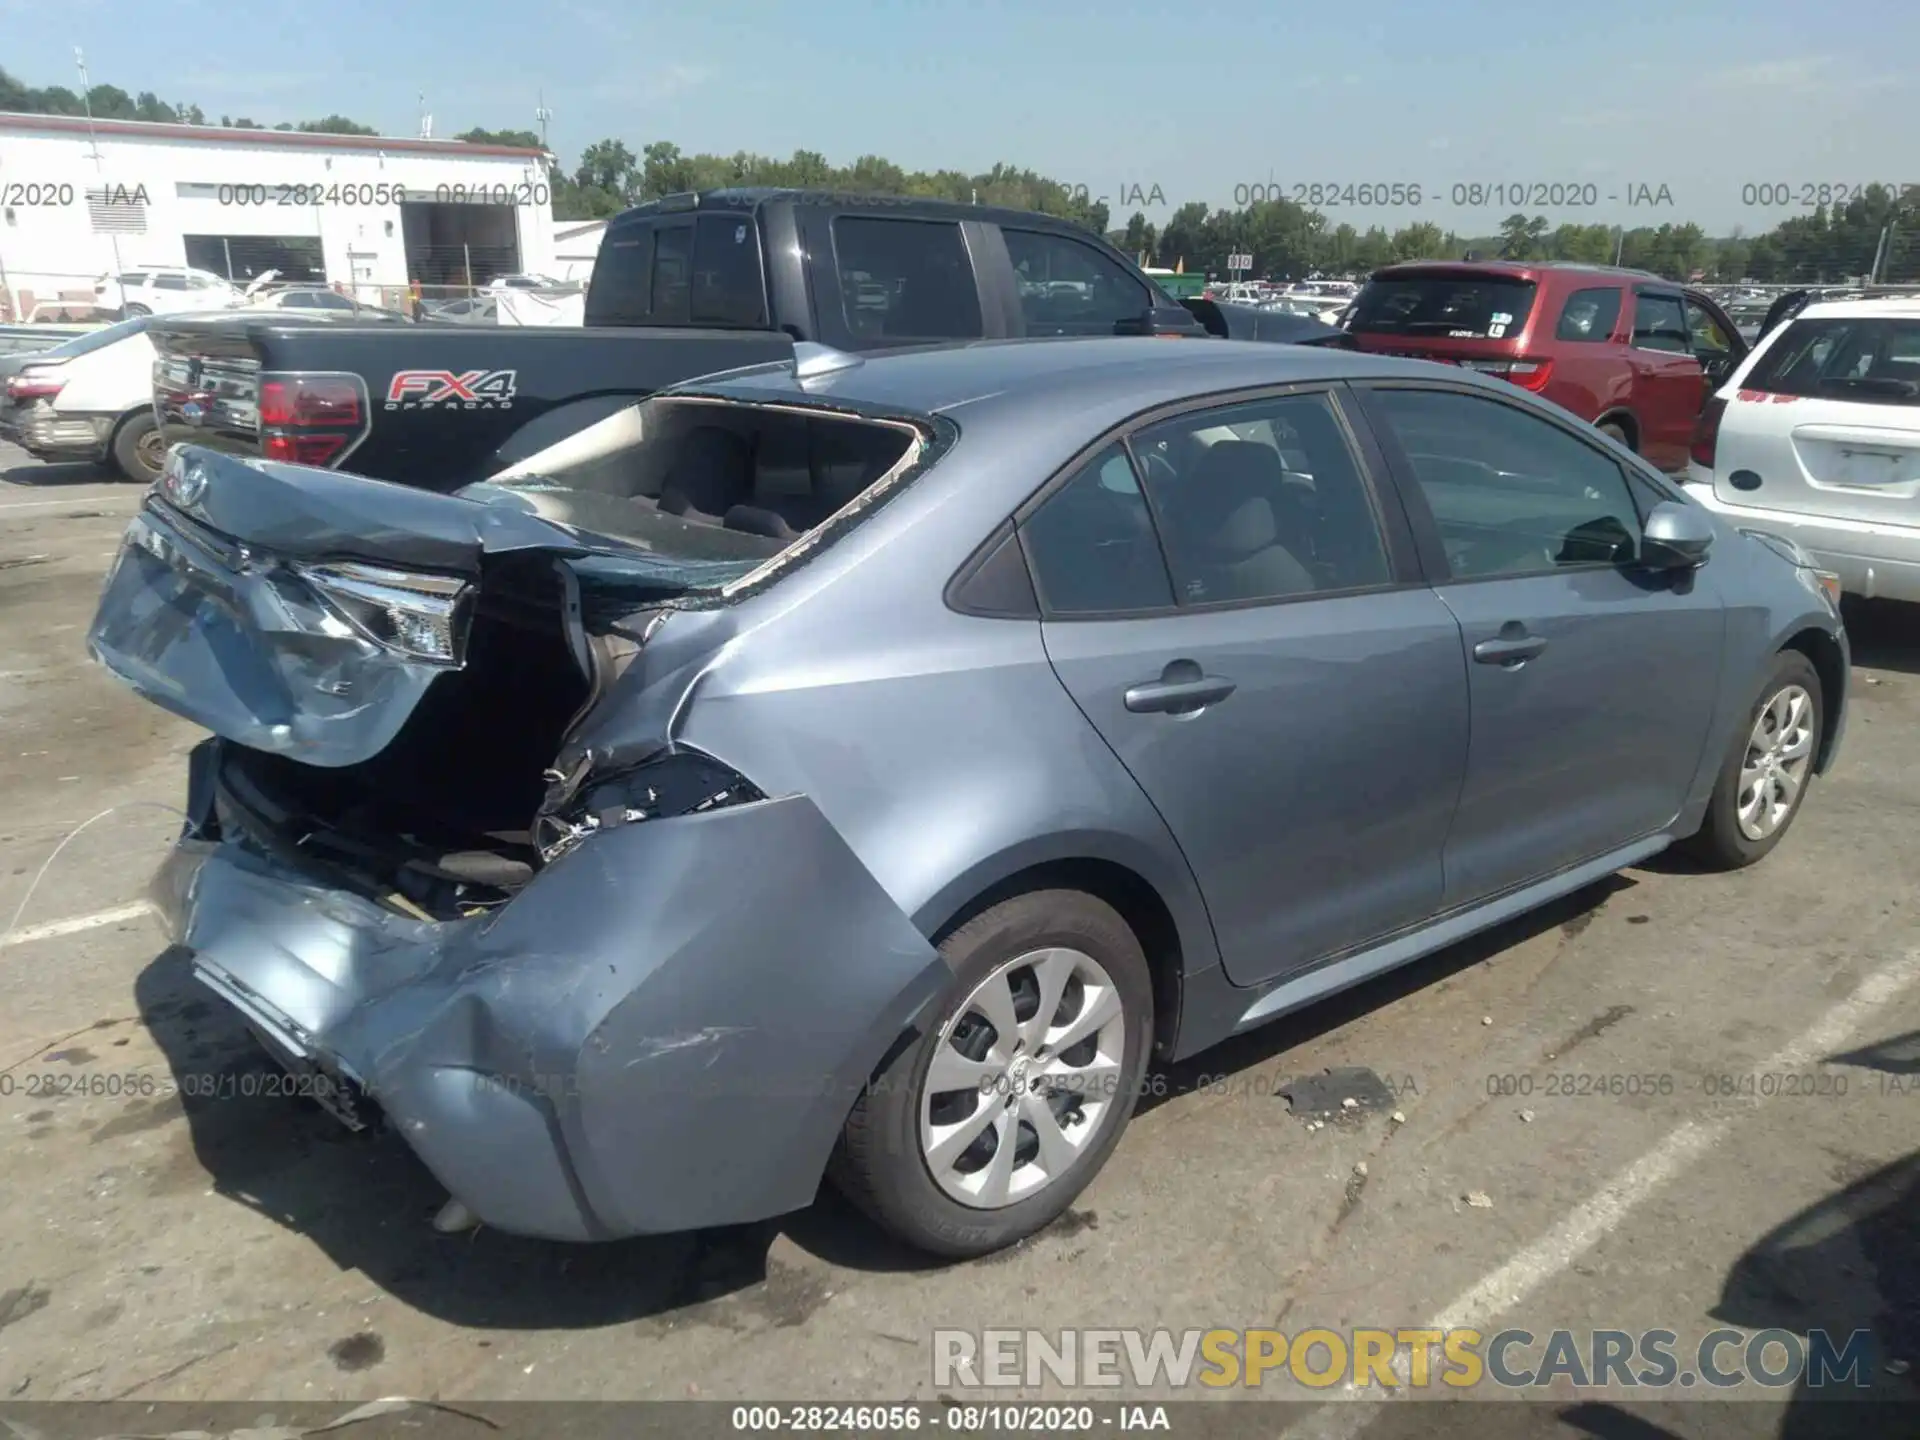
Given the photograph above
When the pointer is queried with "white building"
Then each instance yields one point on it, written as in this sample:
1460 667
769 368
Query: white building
79 201
576 245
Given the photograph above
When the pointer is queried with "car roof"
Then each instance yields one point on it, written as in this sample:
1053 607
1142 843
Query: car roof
1887 307
1515 270
753 197
1134 371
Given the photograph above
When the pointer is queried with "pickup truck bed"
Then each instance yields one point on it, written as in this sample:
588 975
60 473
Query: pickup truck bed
443 405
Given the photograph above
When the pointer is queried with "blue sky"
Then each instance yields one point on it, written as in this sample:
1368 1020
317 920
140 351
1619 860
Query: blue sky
1197 97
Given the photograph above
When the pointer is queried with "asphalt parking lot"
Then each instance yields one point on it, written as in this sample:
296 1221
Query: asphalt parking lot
1599 1117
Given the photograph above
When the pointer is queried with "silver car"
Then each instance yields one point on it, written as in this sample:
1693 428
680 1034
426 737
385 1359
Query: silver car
861 769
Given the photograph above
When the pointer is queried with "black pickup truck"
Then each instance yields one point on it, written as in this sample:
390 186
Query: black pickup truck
683 287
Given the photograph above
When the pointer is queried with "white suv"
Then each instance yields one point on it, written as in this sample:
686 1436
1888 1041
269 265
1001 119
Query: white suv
1816 436
164 290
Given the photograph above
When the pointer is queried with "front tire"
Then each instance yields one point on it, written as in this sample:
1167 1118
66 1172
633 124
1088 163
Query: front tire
1764 778
984 1131
138 449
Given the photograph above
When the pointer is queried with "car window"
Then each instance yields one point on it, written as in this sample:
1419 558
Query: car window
327 300
1261 501
728 288
906 279
296 300
201 282
169 282
1589 315
672 302
1452 306
1658 324
1091 546
1871 359
1069 288
1709 336
1511 493
621 287
134 278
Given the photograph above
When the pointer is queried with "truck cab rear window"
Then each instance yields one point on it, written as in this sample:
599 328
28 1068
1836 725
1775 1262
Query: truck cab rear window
905 279
1443 307
706 273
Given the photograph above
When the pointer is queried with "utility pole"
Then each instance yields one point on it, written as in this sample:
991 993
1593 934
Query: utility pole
543 115
93 144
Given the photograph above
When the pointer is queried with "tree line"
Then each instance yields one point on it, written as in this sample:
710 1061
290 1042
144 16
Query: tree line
1286 240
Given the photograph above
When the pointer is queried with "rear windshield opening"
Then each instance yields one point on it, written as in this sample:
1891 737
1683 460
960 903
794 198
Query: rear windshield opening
1876 360
1443 307
700 481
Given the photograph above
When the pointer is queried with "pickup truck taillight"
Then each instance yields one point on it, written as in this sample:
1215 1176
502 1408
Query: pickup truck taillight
23 389
312 419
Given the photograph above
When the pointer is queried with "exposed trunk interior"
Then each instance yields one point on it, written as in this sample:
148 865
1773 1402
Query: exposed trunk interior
442 817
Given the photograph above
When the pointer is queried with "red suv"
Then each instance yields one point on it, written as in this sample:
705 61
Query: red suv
1632 353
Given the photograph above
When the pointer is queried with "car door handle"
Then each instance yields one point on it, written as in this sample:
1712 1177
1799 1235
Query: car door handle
1175 697
1509 649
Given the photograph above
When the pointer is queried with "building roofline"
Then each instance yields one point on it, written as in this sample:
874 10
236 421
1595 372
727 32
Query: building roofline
294 139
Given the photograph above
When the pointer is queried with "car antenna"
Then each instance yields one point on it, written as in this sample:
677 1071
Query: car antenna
811 361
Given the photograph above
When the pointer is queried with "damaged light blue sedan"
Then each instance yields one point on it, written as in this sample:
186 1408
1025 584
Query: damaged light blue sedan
860 769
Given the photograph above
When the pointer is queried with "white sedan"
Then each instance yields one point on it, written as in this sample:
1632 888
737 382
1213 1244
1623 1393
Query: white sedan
1816 437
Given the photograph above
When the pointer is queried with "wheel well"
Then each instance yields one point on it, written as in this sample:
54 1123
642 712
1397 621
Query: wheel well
1138 903
1824 652
1624 419
123 421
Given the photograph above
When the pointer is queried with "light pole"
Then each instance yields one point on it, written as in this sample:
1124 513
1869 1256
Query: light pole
93 143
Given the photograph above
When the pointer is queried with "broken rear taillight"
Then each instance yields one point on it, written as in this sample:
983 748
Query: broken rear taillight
678 782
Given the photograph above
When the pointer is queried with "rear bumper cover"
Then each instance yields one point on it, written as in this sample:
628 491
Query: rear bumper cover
48 434
664 1031
1873 559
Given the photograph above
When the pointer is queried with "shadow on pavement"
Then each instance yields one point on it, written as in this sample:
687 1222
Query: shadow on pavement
1257 1047
1884 635
38 476
368 1203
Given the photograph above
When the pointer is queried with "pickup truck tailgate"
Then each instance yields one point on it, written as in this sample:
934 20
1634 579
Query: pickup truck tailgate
431 406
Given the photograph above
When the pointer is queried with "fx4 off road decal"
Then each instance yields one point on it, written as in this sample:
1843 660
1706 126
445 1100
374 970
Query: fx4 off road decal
445 390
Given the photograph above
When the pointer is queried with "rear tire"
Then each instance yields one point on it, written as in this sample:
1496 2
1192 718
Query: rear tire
1617 432
138 451
901 1159
1772 753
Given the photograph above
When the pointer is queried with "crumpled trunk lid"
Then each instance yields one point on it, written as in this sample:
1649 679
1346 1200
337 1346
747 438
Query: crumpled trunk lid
300 612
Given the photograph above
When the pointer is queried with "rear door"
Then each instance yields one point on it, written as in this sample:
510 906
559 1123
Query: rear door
1238 613
1827 422
1592 682
885 280
1668 385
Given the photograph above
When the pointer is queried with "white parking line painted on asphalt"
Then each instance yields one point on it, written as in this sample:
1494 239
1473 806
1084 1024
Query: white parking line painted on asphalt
52 504
74 924
1556 1251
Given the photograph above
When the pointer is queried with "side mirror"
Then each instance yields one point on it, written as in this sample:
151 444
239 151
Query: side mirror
1677 537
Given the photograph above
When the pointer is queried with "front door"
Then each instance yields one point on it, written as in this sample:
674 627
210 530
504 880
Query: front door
1223 601
1592 681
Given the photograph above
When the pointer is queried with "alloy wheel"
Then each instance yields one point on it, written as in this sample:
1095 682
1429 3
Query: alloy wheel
1023 1078
1779 753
